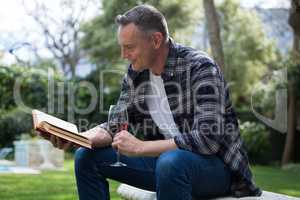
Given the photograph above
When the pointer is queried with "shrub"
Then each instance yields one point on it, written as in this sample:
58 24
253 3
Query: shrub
33 92
12 125
256 138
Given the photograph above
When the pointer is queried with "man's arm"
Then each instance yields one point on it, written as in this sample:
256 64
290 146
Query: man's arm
129 145
209 96
157 147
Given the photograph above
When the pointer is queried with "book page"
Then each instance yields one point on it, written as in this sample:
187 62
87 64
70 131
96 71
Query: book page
39 117
67 133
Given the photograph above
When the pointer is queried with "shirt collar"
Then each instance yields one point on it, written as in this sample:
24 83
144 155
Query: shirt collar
171 62
131 73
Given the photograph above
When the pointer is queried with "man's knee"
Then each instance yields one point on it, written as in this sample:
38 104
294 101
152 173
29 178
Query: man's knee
168 164
88 159
83 158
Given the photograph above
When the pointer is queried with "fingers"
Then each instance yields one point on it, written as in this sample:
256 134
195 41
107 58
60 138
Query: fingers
43 134
75 145
117 140
115 144
60 143
120 134
67 145
121 140
56 141
53 140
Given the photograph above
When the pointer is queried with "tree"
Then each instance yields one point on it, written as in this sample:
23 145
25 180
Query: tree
249 54
213 26
294 21
61 34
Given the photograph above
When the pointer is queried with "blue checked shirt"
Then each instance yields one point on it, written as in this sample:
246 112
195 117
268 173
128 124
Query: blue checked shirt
201 107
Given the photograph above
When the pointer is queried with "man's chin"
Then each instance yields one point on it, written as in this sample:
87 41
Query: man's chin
137 68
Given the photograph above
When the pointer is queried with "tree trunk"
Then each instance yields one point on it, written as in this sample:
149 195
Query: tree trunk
213 26
296 49
292 114
290 137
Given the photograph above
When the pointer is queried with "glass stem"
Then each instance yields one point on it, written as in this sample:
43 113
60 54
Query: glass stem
118 156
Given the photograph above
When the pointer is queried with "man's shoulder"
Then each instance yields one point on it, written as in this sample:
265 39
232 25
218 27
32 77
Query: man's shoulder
196 61
193 57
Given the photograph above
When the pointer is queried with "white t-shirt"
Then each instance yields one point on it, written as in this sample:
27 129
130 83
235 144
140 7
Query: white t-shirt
159 107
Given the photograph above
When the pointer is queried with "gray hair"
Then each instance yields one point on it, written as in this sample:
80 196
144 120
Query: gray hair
146 18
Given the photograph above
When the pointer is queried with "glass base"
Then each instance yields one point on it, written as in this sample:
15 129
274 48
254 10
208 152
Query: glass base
118 164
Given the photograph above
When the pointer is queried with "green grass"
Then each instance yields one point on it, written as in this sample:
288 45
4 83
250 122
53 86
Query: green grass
50 185
275 179
60 185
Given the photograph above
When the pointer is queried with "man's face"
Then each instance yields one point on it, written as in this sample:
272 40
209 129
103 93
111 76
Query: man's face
136 47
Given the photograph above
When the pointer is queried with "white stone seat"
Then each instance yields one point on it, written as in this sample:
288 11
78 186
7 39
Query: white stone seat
132 193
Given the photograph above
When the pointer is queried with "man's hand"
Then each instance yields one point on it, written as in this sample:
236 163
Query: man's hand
127 144
98 136
56 141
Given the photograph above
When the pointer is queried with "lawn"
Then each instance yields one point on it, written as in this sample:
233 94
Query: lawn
50 185
60 185
277 180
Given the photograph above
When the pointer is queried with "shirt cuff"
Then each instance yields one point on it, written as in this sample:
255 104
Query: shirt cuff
105 127
180 142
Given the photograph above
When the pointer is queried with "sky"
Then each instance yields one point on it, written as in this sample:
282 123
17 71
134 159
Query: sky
266 3
16 25
13 16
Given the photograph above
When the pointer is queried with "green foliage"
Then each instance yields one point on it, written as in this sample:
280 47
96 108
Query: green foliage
108 95
27 83
248 52
20 88
256 139
100 39
12 125
264 98
55 95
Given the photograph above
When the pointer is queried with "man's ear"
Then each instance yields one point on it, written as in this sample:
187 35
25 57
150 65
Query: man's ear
157 39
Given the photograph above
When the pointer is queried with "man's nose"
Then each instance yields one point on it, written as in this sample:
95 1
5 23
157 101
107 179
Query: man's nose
124 54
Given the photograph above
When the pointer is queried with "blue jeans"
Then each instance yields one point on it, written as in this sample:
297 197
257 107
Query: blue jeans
176 174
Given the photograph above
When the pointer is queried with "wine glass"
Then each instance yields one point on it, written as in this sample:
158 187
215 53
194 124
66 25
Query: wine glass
117 121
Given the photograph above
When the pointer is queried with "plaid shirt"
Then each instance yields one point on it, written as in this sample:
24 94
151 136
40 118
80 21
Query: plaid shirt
200 104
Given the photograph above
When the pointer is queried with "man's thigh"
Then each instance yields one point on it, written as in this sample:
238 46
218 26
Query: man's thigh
207 175
138 172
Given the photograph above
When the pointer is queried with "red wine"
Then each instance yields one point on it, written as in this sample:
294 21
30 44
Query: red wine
115 127
123 126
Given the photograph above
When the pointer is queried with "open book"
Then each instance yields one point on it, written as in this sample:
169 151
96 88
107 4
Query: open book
60 128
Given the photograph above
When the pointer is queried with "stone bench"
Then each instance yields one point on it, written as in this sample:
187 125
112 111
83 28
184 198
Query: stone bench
132 193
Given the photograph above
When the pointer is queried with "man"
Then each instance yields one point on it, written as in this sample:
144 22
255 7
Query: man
177 98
